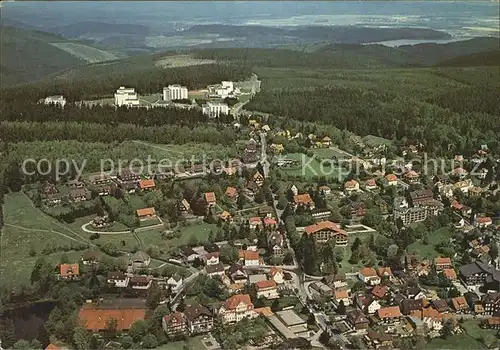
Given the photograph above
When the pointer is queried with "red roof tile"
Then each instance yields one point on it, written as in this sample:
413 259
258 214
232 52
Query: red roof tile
95 319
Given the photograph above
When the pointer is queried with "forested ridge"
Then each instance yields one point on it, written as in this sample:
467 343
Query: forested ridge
145 82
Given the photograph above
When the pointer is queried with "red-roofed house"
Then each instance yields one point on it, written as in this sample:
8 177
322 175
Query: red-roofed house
351 186
269 222
255 222
69 272
146 185
303 200
460 305
379 292
232 193
210 199
250 257
389 314
276 273
391 180
371 185
385 272
450 274
146 213
323 231
236 308
341 295
442 263
411 176
267 289
369 276
483 221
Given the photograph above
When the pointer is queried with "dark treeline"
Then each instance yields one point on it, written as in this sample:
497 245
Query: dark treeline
366 112
91 132
36 112
485 99
145 82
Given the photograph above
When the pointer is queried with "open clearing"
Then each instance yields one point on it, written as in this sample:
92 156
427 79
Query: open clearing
181 61
487 336
87 53
427 250
456 341
25 228
308 167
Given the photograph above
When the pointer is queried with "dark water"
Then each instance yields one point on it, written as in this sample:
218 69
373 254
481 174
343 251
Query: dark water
28 319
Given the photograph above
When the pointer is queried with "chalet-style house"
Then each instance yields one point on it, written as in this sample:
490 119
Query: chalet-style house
258 178
479 273
90 258
69 272
336 281
174 324
198 319
210 199
236 308
351 186
101 179
118 279
267 289
249 257
277 275
140 282
391 180
379 340
369 276
237 273
275 242
126 175
341 295
323 231
146 214
303 201
460 305
214 270
79 195
357 320
184 206
491 302
232 193
389 314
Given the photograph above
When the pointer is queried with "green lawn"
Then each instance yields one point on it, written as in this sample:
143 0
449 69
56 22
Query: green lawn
325 153
131 243
32 229
457 341
192 344
427 250
308 167
154 237
488 335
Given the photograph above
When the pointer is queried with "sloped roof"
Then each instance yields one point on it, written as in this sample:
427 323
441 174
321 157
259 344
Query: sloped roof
322 225
389 312
265 284
149 183
235 300
67 269
146 211
210 197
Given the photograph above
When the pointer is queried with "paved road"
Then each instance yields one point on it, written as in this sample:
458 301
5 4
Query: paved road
263 154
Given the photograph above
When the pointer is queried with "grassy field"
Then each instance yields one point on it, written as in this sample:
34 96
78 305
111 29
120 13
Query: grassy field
487 336
192 344
154 237
427 250
308 167
457 341
28 228
325 153
181 61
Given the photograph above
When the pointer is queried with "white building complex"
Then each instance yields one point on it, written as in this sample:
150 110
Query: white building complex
55 100
126 97
175 92
215 109
223 90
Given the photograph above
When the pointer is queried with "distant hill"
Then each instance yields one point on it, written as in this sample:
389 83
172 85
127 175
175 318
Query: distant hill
489 58
338 34
29 55
427 54
100 29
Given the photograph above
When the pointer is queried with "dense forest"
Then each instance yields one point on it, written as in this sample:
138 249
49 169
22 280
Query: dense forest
145 81
392 117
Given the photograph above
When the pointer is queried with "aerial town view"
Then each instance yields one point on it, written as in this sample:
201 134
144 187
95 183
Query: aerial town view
207 175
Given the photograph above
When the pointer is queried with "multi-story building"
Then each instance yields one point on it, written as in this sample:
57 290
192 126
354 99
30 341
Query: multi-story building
55 100
126 97
369 276
479 273
416 214
326 230
491 304
175 92
215 109
198 319
174 324
236 308
267 289
389 314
